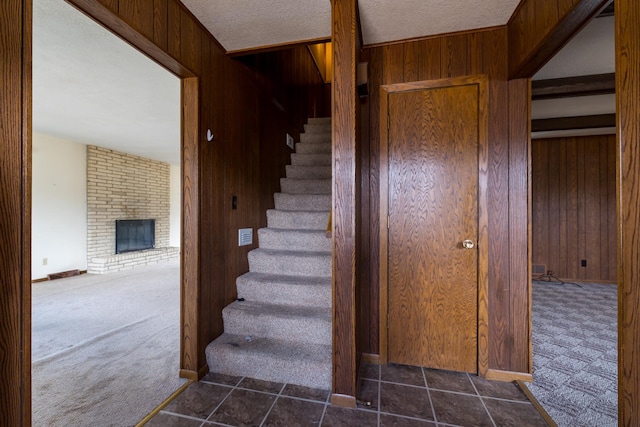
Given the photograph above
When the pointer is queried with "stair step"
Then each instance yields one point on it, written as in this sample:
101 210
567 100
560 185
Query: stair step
301 220
308 365
316 148
310 159
294 240
272 261
285 290
315 138
311 325
315 128
319 120
305 186
309 172
302 202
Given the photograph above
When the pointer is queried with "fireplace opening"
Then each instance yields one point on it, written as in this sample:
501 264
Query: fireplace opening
135 235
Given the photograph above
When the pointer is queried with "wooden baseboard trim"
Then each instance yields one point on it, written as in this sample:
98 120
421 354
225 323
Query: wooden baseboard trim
508 376
343 400
193 375
543 413
46 279
168 400
372 359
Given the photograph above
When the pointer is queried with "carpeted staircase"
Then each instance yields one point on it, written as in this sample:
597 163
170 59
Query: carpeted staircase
280 328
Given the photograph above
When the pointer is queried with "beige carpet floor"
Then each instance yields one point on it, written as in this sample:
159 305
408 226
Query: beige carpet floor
105 348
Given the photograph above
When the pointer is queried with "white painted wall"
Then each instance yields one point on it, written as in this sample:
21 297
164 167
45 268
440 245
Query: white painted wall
174 201
59 210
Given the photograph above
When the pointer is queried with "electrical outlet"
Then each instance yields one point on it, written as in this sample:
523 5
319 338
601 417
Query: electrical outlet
45 261
290 141
583 263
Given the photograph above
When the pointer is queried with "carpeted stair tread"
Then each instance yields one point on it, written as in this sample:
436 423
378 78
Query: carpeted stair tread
317 128
305 186
304 364
310 159
308 172
319 121
294 263
285 290
315 138
302 220
302 202
313 148
284 322
293 239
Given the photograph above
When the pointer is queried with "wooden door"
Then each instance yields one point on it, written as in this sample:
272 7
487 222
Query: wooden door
433 146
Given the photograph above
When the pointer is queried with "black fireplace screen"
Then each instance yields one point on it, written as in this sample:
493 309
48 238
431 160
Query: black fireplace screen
135 235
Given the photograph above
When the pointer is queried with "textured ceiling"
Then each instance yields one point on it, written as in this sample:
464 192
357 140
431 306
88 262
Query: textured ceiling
385 21
247 24
92 88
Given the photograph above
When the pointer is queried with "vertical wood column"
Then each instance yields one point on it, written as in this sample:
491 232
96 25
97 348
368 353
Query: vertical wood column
627 22
343 110
15 212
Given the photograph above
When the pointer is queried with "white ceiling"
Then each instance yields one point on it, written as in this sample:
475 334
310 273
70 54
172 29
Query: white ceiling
92 88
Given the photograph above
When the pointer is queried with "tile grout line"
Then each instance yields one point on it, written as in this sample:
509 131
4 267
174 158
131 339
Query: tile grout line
426 384
273 404
379 393
223 400
324 409
482 401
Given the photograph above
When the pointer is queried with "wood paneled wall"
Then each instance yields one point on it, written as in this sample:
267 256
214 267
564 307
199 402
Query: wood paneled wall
457 55
540 28
574 206
15 213
627 18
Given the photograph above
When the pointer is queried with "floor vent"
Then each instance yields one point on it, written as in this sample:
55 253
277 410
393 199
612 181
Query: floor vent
537 269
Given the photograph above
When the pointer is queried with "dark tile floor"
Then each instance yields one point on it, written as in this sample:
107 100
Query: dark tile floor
391 395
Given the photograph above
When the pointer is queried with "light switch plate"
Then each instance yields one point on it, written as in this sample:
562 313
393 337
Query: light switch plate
245 236
290 141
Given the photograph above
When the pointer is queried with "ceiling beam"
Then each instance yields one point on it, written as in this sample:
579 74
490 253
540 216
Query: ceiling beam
570 123
597 84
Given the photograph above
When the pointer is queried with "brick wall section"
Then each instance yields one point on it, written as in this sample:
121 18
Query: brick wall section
123 186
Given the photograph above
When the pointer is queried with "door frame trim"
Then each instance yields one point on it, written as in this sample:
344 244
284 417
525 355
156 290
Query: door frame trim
483 235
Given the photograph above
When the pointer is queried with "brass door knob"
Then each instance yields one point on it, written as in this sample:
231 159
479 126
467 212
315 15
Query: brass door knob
468 244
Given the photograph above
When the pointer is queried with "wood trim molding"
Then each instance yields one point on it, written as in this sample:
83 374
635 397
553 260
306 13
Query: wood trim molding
522 32
597 84
434 36
571 123
627 30
483 219
278 46
372 359
343 400
536 404
508 376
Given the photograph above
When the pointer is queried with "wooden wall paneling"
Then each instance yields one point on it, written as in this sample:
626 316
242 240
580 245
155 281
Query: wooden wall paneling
112 5
344 204
612 218
537 31
553 206
573 255
15 229
454 56
393 64
190 42
582 208
521 359
430 59
627 19
539 159
174 20
592 201
562 211
603 256
135 13
160 24
411 66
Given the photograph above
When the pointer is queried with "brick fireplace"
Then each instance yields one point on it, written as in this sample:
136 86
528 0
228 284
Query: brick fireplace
125 187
